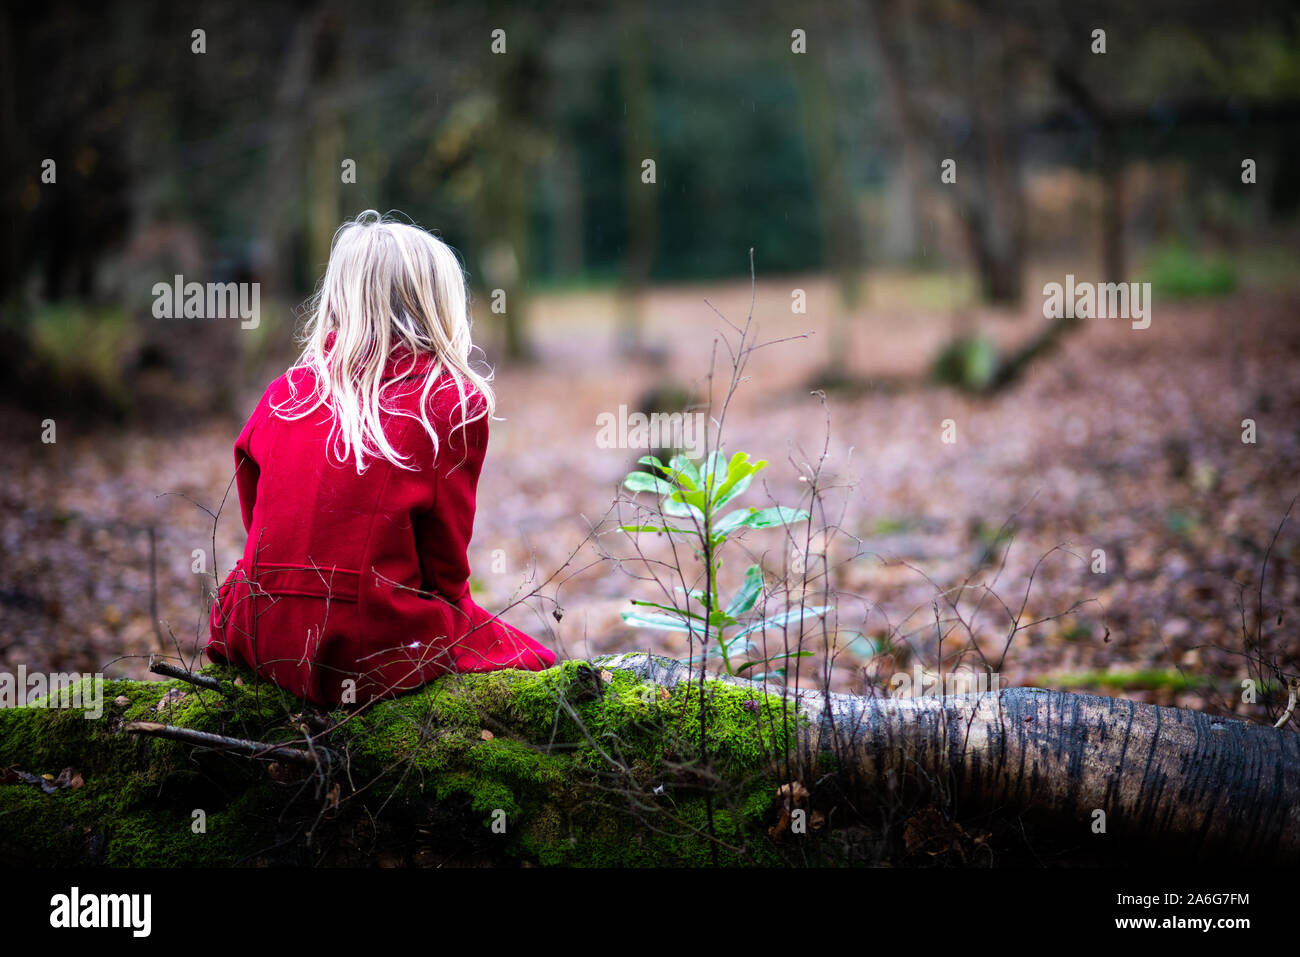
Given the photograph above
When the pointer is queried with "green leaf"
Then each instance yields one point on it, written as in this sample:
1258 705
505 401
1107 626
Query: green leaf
862 645
689 474
668 608
758 518
737 646
731 490
653 460
783 619
682 510
694 497
776 672
740 469
645 482
696 593
748 593
656 528
781 657
719 620
715 471
774 516
730 522
638 620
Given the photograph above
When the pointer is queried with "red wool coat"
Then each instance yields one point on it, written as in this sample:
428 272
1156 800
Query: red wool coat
360 578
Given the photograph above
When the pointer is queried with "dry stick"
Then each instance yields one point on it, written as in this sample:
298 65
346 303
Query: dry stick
171 671
153 587
252 748
1259 617
1290 704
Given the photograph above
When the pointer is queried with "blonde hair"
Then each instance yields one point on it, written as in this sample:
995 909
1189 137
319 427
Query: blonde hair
388 287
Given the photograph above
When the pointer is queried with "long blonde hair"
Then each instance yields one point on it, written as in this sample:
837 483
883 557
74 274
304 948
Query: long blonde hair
388 287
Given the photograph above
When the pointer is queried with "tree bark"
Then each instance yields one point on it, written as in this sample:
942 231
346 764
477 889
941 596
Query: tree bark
1215 784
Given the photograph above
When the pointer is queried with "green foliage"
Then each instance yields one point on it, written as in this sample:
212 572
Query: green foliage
694 496
1146 679
970 363
84 349
1178 273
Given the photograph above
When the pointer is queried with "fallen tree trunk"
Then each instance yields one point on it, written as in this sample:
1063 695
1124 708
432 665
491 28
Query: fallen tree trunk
633 760
1207 785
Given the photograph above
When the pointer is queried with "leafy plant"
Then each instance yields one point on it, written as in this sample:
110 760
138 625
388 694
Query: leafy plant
692 498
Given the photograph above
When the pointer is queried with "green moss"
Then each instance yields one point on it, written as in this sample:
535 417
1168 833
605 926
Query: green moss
139 794
588 769
1150 679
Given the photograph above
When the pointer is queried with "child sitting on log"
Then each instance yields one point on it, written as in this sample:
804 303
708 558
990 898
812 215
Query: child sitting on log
357 475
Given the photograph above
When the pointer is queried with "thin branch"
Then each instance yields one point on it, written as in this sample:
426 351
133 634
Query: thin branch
257 749
171 671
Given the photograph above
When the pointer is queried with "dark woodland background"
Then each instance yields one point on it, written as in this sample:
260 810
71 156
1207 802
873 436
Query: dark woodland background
924 303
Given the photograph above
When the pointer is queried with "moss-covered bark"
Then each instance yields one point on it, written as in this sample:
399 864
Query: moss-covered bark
575 765
615 762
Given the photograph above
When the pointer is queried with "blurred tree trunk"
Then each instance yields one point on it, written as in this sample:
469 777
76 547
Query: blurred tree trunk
1113 255
13 182
570 256
1110 166
977 72
325 156
642 199
913 148
507 162
284 164
841 235
324 188
993 200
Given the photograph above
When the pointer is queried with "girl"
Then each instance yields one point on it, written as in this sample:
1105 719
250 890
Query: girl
356 476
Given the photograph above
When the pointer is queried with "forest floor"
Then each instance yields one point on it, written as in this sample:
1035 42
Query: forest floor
1128 441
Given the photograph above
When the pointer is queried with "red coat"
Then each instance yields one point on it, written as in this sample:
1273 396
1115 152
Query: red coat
361 577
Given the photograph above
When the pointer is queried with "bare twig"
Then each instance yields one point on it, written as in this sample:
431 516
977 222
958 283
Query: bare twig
153 586
1293 684
171 671
257 749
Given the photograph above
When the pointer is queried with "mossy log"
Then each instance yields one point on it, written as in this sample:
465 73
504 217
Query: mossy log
632 760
